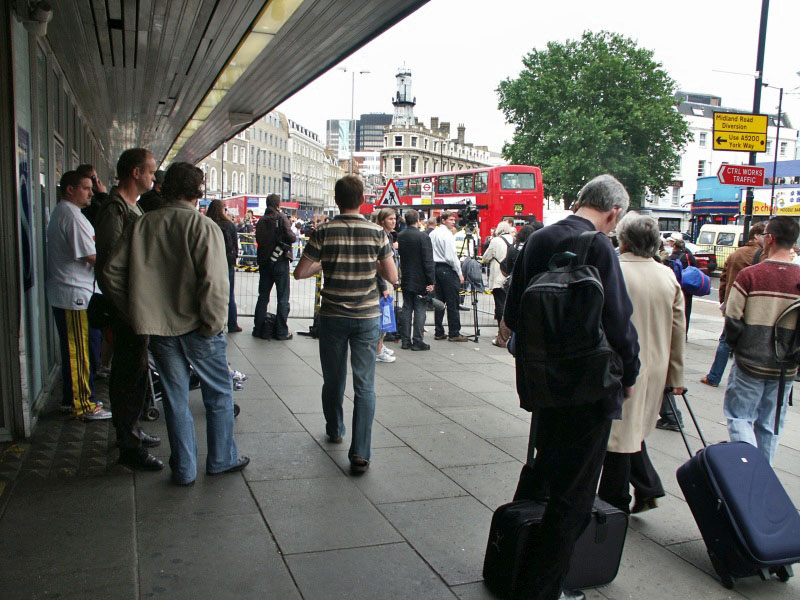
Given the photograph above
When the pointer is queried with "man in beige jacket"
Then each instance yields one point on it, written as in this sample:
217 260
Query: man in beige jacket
169 277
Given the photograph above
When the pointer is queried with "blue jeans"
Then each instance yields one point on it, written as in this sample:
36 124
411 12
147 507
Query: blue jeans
720 360
173 355
233 321
273 273
749 406
335 334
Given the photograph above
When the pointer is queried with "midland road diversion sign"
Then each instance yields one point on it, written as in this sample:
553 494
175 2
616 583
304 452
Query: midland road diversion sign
741 175
738 132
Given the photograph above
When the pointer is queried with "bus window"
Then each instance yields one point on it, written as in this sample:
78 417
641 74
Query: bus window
464 184
517 181
445 185
481 182
413 187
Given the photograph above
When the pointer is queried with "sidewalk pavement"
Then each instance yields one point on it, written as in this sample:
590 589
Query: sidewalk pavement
448 442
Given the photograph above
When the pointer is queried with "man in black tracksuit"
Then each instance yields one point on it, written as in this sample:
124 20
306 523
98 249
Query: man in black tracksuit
570 442
418 277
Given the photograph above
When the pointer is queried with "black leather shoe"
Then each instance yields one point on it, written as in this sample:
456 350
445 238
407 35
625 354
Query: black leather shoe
642 504
283 338
141 460
667 425
421 346
572 595
440 337
405 346
149 441
243 462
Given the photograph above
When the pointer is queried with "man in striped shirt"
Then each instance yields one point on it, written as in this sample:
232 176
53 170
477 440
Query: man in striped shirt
758 297
349 251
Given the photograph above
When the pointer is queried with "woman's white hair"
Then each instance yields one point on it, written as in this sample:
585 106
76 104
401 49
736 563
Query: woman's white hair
503 227
639 234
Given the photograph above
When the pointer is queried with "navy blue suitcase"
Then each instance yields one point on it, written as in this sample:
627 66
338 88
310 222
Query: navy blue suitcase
747 520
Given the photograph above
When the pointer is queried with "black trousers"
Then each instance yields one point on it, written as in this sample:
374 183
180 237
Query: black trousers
687 305
447 286
127 383
413 313
499 295
621 470
570 447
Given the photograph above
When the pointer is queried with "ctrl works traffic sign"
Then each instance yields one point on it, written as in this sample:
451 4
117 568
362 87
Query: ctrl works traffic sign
741 175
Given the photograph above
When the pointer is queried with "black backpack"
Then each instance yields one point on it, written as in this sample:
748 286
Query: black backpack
562 349
507 264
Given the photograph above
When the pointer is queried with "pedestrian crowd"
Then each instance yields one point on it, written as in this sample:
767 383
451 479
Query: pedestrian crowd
138 273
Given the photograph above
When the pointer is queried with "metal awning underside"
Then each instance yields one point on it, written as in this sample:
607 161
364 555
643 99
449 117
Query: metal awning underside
142 67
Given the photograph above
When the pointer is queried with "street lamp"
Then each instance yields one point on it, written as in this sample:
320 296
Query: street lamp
352 106
777 142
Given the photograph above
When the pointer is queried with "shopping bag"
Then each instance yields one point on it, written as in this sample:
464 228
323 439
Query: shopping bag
388 322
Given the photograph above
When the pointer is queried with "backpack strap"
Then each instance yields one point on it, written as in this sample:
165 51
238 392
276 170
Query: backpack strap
582 246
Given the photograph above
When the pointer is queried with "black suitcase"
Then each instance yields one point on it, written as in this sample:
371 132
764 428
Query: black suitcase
747 520
595 560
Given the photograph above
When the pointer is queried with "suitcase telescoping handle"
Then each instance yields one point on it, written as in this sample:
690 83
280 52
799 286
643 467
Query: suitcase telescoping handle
671 400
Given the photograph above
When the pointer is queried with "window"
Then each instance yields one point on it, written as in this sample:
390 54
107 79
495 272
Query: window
242 184
398 140
481 182
703 139
234 181
398 164
769 147
464 184
235 153
414 187
413 164
224 181
445 185
701 168
425 143
413 141
726 239
212 183
783 148
517 181
224 152
243 156
252 183
676 196
706 238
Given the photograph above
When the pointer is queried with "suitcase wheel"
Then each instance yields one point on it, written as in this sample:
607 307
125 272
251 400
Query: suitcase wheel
724 577
236 410
783 573
151 414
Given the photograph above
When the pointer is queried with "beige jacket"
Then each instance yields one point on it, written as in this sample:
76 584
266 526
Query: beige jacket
658 314
494 255
169 274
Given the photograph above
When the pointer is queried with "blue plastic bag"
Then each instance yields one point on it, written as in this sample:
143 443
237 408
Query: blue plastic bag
388 322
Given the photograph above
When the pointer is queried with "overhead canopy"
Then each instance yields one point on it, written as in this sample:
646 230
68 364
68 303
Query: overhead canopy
189 74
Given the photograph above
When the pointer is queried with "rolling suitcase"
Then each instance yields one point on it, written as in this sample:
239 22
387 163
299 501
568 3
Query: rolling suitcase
595 560
748 522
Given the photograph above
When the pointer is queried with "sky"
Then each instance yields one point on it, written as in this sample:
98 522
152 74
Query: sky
459 50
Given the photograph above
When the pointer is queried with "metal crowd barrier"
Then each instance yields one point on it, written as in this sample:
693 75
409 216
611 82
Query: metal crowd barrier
302 293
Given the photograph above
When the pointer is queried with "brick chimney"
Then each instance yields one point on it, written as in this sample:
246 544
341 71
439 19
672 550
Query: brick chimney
444 129
461 130
434 123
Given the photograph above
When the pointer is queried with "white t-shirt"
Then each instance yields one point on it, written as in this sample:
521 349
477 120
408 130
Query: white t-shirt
70 237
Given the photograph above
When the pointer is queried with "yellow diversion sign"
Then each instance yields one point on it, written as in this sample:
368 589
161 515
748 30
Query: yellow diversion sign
739 132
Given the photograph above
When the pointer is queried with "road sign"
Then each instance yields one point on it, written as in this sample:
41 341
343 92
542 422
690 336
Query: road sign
741 175
740 142
740 123
389 197
738 132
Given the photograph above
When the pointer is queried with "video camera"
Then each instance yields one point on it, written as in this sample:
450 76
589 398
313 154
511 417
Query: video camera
468 217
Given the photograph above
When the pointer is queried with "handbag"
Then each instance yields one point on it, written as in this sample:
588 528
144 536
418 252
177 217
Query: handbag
388 321
99 311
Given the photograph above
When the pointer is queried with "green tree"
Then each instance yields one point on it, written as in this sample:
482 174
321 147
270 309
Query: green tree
596 105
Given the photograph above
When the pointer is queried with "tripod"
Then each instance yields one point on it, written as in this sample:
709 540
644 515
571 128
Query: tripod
472 252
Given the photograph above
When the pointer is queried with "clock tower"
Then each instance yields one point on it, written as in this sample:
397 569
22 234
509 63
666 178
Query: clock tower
403 101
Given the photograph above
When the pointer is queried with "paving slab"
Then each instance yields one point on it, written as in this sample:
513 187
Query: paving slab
315 425
449 533
399 411
488 421
442 394
492 484
229 556
311 515
284 456
449 445
362 573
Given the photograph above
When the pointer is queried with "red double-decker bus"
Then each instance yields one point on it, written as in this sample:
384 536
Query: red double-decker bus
498 192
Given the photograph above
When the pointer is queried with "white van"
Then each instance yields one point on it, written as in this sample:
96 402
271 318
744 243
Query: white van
722 240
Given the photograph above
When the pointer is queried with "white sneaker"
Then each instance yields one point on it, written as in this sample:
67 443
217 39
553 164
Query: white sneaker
238 375
385 358
98 414
388 351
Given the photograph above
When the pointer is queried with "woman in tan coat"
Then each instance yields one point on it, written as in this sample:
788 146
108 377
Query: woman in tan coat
658 314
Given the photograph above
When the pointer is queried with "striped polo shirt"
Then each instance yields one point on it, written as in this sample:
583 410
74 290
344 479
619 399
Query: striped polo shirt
349 248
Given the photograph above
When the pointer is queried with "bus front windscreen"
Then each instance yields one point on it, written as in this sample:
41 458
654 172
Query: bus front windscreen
517 181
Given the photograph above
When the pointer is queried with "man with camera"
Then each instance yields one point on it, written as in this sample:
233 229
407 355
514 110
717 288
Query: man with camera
418 279
448 279
274 238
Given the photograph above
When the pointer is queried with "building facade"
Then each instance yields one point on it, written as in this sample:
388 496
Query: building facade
699 159
270 158
369 131
226 169
308 169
